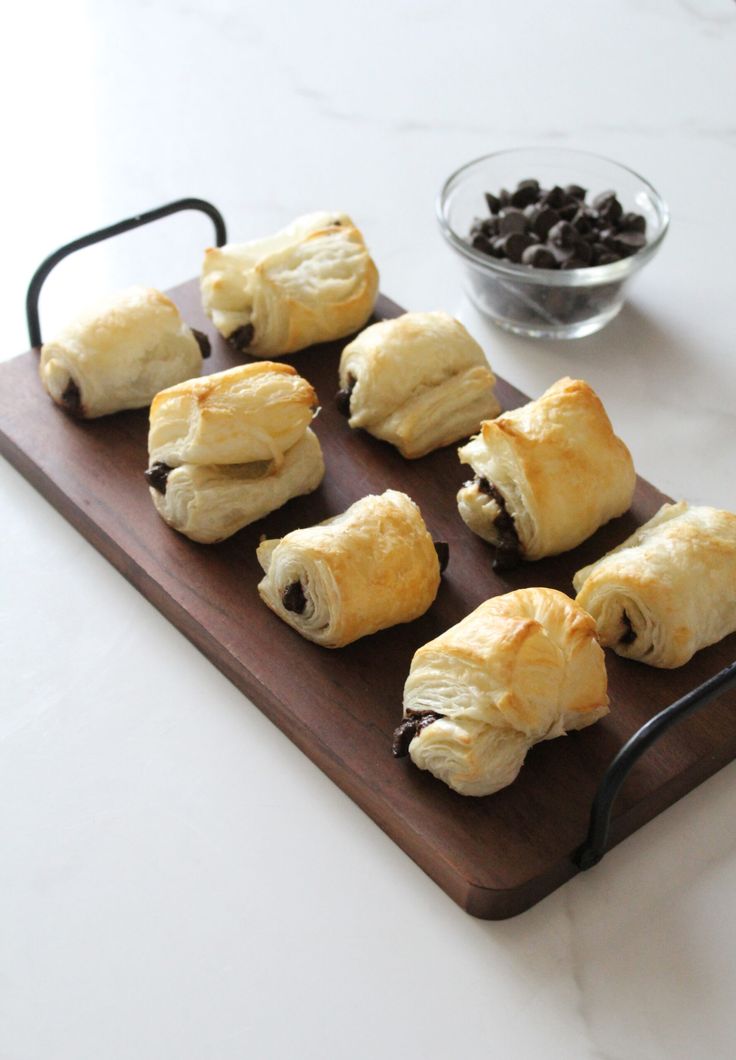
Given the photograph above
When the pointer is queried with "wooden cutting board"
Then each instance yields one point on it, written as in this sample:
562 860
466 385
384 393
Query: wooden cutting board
495 856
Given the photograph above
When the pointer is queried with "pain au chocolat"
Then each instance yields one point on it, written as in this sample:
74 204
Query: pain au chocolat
314 281
369 568
521 668
669 589
547 475
419 381
120 353
227 449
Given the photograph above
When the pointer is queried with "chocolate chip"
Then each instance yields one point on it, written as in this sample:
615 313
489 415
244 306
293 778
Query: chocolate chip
158 475
634 222
494 203
562 234
575 191
608 206
573 263
527 191
242 337
628 242
608 258
482 243
342 397
568 211
504 197
546 219
443 554
511 221
203 342
71 399
293 598
540 257
555 197
515 245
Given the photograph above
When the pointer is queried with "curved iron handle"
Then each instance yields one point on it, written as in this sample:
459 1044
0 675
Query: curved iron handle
592 850
39 276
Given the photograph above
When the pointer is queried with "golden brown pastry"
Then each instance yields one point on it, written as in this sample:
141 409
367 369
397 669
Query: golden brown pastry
208 503
248 413
547 475
120 353
419 381
313 281
371 567
669 589
521 668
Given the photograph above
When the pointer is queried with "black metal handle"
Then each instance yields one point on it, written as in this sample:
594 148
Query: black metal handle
592 850
39 276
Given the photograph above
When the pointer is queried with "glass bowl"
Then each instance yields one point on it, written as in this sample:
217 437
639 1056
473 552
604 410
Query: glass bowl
546 303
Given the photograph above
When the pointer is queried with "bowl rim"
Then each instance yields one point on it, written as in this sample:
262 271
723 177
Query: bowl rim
587 276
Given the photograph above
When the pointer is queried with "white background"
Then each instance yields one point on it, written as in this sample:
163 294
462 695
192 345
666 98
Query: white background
176 879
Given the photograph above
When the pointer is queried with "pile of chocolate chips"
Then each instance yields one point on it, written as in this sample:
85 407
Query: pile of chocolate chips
556 228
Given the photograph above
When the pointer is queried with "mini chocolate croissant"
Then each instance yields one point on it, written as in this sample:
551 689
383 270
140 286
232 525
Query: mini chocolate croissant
669 589
313 281
419 381
521 668
547 475
371 567
120 353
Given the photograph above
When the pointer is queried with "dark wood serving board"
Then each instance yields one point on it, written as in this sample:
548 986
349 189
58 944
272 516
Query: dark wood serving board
495 856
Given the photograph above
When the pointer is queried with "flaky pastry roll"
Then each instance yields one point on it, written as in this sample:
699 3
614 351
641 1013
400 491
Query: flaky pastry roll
419 381
209 503
521 668
313 281
252 412
371 567
120 353
547 475
669 589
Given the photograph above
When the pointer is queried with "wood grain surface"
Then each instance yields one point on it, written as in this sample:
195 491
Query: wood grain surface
495 856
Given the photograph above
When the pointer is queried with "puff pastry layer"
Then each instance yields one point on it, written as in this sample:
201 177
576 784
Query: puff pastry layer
371 567
520 668
313 281
547 474
119 354
208 503
669 589
419 381
248 413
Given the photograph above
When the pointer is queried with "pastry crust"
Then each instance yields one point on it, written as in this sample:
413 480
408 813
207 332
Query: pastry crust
419 381
521 668
371 567
209 503
313 281
669 589
252 412
557 465
118 354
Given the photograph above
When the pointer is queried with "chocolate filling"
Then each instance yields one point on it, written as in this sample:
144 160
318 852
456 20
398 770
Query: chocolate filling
342 397
410 727
242 337
508 551
157 476
71 399
630 635
443 554
293 598
203 342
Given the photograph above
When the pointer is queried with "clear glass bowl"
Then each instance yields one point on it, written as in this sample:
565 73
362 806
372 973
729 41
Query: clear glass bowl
546 303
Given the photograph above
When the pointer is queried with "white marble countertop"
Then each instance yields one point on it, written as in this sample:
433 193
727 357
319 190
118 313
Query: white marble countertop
176 879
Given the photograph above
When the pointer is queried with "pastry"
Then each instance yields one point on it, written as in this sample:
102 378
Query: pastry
313 281
120 353
371 567
208 502
669 589
547 475
521 668
419 381
252 412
